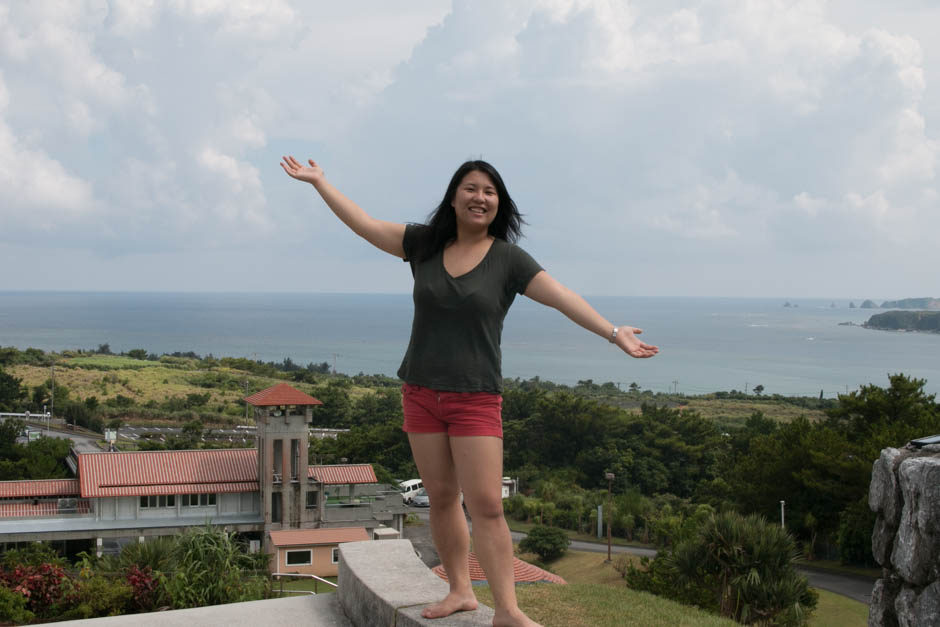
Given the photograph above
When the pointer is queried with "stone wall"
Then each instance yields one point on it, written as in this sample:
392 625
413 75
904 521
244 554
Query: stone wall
905 495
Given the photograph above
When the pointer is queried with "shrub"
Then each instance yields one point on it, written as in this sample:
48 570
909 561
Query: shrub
549 543
44 586
98 596
856 524
13 607
211 568
741 568
148 587
33 554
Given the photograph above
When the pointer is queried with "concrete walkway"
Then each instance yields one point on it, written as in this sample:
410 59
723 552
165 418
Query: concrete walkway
320 610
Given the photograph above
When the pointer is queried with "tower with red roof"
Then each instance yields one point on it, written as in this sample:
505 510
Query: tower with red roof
283 415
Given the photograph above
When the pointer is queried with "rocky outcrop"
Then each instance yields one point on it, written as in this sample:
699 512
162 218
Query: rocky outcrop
905 494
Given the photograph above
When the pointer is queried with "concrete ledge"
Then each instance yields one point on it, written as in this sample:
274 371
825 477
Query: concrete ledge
384 583
321 610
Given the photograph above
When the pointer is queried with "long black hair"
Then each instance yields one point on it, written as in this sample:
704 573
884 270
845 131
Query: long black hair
442 222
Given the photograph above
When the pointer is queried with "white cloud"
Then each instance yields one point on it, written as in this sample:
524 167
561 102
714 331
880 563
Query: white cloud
702 130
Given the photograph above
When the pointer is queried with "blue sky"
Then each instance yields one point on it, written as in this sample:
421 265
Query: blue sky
731 148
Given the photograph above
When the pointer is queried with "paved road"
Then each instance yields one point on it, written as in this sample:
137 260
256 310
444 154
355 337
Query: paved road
854 587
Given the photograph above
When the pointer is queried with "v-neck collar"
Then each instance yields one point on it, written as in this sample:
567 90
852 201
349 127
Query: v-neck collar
471 270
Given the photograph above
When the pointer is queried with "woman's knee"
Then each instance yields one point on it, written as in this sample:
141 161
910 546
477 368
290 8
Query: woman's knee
442 493
485 507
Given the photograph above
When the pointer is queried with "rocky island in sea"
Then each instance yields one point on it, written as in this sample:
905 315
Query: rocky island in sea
912 303
924 321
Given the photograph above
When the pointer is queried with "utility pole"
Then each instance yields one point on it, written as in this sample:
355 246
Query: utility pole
675 386
745 388
782 521
335 355
247 407
52 395
610 478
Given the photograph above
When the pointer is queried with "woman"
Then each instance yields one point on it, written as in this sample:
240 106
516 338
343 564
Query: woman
467 272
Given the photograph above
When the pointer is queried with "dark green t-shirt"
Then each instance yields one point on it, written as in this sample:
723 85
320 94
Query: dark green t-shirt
458 322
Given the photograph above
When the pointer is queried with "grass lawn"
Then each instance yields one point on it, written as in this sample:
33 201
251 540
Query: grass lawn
835 610
309 585
597 595
524 527
733 413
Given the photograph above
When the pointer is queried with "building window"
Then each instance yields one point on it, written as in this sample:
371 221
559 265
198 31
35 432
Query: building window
162 500
277 460
197 500
335 557
312 499
294 458
276 507
300 558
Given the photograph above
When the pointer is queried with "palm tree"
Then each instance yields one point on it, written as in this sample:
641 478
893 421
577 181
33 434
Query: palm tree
748 564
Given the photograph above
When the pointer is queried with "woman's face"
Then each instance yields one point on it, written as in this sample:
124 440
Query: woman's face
476 201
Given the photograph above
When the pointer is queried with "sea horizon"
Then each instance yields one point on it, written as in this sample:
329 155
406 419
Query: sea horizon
707 344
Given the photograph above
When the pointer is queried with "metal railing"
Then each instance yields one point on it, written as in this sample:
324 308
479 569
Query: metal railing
316 582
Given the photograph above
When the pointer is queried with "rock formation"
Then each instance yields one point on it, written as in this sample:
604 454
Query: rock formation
905 494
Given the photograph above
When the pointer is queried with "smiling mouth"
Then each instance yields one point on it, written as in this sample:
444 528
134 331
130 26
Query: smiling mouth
477 210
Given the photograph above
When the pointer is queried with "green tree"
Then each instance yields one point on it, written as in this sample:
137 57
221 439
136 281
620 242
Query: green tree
12 393
758 389
137 353
334 412
740 567
549 543
383 405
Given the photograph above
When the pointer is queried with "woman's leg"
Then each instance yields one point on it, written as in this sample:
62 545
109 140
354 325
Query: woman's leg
478 461
432 455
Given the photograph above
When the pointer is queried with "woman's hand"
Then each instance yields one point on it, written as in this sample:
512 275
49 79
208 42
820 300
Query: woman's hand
312 174
628 341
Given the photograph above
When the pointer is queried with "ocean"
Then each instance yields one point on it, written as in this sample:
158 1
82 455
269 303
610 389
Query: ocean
707 344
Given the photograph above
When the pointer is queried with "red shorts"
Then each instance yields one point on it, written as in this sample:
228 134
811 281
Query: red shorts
453 413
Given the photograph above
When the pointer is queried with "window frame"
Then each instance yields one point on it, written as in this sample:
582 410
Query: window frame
157 501
288 552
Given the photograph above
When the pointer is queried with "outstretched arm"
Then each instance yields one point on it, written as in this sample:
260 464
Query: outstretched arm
546 290
383 235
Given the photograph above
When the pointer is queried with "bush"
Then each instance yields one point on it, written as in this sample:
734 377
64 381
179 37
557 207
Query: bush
856 524
13 607
44 586
99 596
211 569
149 588
549 543
742 568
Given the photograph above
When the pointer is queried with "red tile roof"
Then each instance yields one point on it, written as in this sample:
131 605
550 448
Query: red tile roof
523 572
342 473
42 508
168 472
307 537
38 487
281 394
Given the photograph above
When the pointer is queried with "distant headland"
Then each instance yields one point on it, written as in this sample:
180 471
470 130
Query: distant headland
924 321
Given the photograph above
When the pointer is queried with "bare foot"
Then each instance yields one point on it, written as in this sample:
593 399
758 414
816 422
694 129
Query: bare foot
514 618
453 602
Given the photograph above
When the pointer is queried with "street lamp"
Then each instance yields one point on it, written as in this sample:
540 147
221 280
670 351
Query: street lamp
610 478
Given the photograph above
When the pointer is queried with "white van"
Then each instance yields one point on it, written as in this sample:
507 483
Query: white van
409 488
